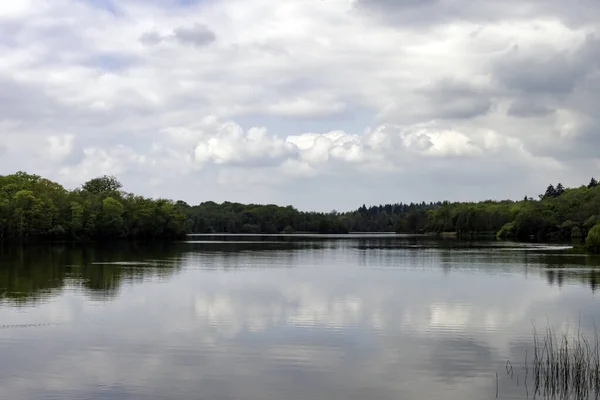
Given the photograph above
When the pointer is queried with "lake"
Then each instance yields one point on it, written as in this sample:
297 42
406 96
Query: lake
284 317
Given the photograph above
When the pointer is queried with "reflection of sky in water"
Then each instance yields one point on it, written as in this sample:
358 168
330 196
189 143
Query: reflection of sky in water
334 320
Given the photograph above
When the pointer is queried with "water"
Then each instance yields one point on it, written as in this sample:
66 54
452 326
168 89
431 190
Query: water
270 317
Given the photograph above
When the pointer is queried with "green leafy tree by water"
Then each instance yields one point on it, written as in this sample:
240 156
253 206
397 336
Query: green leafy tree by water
104 184
34 207
111 219
593 239
77 218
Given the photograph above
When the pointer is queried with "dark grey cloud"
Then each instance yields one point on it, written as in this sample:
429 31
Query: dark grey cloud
452 99
571 143
529 108
39 108
542 72
197 35
151 38
414 13
584 144
443 99
545 81
20 101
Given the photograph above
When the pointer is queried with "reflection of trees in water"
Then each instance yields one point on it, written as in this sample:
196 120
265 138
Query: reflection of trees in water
572 269
560 276
35 272
32 273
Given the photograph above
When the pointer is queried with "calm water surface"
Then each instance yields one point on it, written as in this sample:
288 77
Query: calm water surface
283 318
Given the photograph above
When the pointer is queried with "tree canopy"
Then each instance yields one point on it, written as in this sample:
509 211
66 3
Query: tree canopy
103 184
31 206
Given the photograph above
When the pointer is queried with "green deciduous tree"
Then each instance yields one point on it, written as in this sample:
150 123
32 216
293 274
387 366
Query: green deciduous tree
111 222
77 218
104 184
593 239
31 206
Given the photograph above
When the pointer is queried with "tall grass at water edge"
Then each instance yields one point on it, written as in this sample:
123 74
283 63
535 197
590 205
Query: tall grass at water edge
561 367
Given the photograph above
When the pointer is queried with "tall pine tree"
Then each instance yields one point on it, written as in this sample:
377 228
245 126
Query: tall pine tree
550 192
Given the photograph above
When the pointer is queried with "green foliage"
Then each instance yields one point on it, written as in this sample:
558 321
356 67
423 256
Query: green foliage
210 217
593 239
77 218
508 230
560 214
33 207
104 184
111 219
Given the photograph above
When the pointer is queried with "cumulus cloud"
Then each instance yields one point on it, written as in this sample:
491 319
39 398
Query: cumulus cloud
231 145
60 146
282 100
434 12
151 38
197 35
99 161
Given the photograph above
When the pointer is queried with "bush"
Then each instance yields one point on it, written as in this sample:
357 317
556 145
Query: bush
593 239
507 231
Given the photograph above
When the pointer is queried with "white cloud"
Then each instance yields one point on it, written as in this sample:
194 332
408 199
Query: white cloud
16 8
306 107
229 144
60 146
113 161
300 90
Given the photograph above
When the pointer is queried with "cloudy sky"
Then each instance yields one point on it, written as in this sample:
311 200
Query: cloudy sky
321 104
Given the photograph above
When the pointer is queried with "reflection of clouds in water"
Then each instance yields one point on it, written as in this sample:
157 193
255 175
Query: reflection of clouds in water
449 317
305 332
232 313
370 302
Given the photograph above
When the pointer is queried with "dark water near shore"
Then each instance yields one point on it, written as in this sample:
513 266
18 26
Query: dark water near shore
272 318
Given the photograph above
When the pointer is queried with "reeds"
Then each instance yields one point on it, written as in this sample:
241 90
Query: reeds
563 367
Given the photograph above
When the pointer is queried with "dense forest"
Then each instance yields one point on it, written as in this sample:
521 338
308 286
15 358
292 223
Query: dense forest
34 207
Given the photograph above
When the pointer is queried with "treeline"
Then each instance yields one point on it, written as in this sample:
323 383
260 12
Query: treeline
229 217
31 206
558 214
210 217
34 207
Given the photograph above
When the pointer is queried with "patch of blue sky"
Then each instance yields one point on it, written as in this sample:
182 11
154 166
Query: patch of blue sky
105 5
112 62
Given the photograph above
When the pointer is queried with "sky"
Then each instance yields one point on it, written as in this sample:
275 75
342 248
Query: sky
321 104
